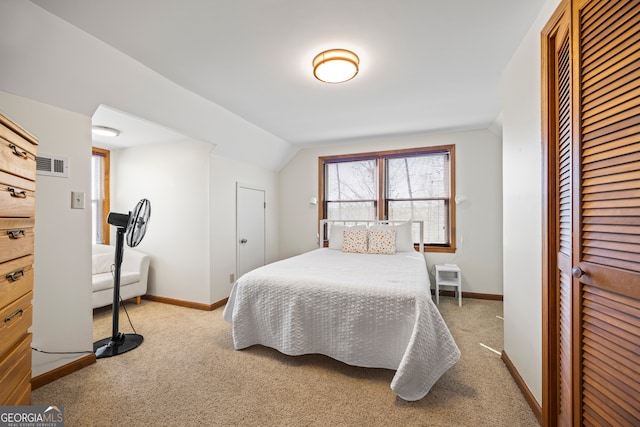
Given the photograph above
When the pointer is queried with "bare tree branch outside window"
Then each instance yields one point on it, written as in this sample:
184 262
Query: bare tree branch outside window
417 185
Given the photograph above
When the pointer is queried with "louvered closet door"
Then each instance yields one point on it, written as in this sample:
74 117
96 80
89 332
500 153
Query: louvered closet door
606 248
559 339
558 57
565 221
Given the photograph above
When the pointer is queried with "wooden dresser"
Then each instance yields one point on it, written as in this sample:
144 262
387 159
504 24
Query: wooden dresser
17 219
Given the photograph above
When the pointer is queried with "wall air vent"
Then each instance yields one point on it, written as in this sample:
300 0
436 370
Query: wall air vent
52 165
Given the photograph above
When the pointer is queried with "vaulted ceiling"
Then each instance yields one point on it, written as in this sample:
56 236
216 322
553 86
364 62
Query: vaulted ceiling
425 65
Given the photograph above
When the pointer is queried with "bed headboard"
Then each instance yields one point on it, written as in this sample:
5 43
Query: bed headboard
325 226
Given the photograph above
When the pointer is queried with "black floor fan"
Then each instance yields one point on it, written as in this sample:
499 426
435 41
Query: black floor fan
134 225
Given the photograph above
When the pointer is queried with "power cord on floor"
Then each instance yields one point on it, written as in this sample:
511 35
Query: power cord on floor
61 352
121 301
127 313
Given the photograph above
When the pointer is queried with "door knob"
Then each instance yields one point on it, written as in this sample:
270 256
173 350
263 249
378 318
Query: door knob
577 272
243 241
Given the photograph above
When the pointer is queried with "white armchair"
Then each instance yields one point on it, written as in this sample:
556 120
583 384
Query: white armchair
133 275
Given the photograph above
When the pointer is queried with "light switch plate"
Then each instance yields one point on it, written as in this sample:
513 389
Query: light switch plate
77 200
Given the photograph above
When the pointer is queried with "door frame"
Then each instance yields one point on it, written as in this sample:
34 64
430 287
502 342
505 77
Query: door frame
550 218
240 185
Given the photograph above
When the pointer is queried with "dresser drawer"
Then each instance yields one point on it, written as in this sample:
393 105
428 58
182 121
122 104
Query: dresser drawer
9 180
15 366
13 132
16 200
15 240
15 319
21 396
17 160
16 278
18 150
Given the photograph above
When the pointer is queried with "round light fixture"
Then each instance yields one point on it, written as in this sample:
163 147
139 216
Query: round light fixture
335 66
104 131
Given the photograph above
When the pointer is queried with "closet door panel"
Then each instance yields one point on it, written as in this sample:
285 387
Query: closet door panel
564 225
607 237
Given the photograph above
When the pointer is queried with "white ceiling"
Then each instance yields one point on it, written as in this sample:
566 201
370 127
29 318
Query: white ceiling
134 131
425 65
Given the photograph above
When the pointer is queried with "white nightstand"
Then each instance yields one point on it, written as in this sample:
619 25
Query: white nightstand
449 275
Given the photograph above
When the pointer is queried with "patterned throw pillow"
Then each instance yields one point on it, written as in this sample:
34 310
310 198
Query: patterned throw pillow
355 241
404 235
382 241
336 234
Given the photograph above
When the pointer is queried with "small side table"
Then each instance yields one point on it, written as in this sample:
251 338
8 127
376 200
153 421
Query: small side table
449 275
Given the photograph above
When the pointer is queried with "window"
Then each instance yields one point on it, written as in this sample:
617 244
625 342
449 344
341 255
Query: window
99 195
351 189
413 184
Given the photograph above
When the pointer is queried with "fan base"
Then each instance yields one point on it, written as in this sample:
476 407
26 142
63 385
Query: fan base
108 347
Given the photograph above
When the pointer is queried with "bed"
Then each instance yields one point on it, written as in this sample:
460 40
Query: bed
370 310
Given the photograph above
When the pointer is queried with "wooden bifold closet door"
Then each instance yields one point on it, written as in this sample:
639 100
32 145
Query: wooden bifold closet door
591 131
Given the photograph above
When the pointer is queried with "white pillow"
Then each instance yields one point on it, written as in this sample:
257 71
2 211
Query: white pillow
355 241
404 236
382 241
336 234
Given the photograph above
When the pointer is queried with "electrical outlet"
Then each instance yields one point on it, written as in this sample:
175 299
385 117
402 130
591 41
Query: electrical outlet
77 200
232 278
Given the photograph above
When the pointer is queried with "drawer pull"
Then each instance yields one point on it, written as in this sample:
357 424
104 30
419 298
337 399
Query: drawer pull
15 234
15 151
19 194
15 276
10 318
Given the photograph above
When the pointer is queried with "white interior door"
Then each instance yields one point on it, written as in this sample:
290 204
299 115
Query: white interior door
250 228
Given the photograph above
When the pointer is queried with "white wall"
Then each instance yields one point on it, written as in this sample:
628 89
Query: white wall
224 175
191 235
62 315
478 218
175 179
522 186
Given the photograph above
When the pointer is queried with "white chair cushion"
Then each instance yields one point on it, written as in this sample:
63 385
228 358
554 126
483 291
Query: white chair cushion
103 281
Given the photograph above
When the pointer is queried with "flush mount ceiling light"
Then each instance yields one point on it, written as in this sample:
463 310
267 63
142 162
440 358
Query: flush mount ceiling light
335 66
104 131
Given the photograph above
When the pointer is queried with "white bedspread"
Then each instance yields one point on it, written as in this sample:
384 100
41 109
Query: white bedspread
364 310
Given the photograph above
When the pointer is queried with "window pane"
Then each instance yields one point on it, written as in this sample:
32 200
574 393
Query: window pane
96 222
434 213
97 198
351 180
416 185
418 177
96 177
351 210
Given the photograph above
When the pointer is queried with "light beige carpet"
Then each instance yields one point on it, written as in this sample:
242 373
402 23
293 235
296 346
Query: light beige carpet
186 373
